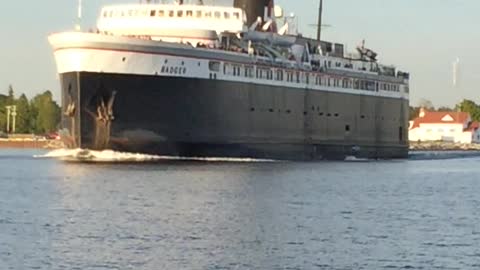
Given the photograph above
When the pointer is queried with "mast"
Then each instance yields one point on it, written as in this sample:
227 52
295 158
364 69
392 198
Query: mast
319 26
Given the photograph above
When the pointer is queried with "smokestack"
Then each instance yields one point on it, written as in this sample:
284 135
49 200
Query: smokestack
253 8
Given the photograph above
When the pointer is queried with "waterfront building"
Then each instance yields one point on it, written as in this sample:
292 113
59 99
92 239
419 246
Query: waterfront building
455 127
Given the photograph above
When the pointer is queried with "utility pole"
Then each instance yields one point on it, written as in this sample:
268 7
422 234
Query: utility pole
79 16
14 115
319 26
8 118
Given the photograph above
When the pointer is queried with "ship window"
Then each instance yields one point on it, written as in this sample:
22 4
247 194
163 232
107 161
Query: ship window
279 75
152 13
105 14
218 15
180 13
226 15
347 128
236 15
199 13
111 13
249 72
171 13
214 66
161 13
298 77
189 13
208 14
130 13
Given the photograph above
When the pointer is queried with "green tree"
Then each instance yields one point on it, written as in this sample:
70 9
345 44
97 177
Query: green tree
24 117
471 107
3 113
426 104
413 112
11 95
444 109
45 112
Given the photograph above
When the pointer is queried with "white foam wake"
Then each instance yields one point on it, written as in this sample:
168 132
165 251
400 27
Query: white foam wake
110 156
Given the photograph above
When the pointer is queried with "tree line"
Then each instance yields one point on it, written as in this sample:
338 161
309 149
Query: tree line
40 115
465 105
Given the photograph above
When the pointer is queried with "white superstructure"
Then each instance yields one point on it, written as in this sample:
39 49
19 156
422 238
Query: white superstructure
194 41
173 23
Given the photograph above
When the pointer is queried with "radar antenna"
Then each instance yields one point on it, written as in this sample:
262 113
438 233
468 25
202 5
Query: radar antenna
366 54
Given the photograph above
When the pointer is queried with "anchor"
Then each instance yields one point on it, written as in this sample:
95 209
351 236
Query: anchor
103 121
69 139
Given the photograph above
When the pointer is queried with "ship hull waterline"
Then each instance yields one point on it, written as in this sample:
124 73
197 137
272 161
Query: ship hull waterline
190 117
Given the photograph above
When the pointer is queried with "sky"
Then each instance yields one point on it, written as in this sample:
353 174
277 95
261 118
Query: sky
423 37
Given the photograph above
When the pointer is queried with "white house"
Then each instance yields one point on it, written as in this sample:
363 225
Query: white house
444 126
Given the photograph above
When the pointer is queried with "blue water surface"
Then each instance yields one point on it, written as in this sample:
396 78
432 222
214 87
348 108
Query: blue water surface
409 214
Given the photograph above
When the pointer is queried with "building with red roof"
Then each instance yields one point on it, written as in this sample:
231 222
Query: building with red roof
455 127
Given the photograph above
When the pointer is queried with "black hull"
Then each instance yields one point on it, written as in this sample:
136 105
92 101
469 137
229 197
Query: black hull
210 118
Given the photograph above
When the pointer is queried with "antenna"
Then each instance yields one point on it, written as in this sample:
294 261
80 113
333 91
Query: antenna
79 16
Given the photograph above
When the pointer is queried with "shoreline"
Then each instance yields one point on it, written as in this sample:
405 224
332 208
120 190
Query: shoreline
30 144
414 147
443 146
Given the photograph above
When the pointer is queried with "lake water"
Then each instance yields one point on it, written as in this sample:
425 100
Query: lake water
411 214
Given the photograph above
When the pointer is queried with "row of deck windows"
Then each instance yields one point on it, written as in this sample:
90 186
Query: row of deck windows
172 14
304 77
